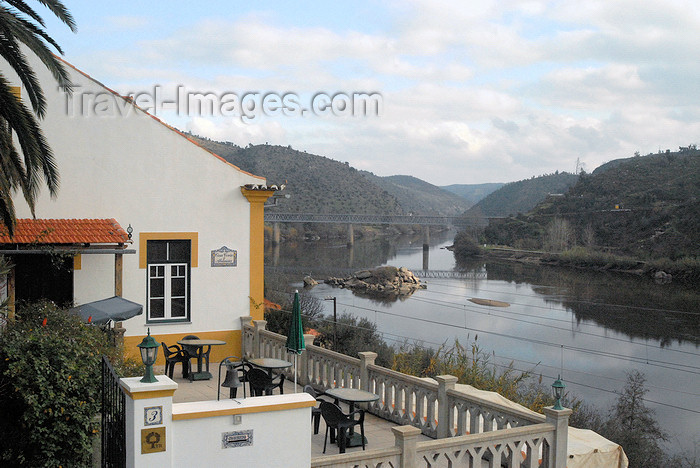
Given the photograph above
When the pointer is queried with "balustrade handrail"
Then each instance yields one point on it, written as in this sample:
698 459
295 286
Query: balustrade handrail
410 379
333 354
485 437
459 395
356 458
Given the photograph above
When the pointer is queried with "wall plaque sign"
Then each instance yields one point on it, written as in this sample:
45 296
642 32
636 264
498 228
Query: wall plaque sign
237 439
153 415
153 440
224 257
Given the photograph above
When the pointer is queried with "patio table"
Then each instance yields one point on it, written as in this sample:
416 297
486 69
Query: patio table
269 364
352 396
199 344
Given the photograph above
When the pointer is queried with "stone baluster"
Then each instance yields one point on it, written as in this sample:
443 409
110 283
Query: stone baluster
304 378
245 321
560 420
366 358
405 438
257 342
445 383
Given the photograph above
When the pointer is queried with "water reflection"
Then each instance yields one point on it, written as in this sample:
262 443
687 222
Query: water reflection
635 306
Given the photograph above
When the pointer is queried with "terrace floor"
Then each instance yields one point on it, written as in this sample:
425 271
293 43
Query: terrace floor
377 431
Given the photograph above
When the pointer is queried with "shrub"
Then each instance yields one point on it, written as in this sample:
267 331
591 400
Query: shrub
49 387
465 246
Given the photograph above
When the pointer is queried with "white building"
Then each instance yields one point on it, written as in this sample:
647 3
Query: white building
180 202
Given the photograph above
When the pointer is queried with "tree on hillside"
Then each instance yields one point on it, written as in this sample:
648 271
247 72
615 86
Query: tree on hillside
633 426
559 235
23 167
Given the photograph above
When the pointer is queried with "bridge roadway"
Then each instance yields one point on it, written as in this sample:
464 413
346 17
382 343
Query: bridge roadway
344 272
274 217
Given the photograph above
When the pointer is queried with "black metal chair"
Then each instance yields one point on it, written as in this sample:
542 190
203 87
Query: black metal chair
315 411
196 352
174 354
261 383
236 376
336 420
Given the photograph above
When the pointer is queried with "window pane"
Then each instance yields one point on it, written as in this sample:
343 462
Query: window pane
177 287
156 251
178 308
153 271
157 288
179 251
157 308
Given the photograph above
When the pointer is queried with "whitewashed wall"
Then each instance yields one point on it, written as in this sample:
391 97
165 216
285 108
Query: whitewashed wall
280 438
140 172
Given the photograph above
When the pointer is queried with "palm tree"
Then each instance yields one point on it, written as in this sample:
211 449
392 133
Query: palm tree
23 167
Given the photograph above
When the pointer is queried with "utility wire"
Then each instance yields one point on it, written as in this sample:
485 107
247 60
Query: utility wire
540 342
484 312
605 304
403 339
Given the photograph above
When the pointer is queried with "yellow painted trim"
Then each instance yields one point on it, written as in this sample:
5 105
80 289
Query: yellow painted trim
149 394
257 198
144 237
77 262
218 353
243 410
17 91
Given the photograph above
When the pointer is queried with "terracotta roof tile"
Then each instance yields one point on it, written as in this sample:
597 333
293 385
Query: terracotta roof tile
65 231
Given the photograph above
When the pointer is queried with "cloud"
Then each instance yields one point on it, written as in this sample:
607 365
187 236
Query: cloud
496 90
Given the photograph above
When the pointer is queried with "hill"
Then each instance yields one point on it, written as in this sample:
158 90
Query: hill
316 184
645 206
473 193
420 197
524 195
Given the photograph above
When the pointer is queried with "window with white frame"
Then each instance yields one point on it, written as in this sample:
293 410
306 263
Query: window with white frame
168 288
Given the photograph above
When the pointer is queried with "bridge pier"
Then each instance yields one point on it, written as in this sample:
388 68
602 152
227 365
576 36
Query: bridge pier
351 235
275 233
426 238
426 259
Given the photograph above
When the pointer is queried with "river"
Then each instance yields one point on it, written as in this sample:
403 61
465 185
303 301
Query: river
590 327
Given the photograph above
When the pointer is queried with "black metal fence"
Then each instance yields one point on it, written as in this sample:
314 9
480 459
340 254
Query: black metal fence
113 419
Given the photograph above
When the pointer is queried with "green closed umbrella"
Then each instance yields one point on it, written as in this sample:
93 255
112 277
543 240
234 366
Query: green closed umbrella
295 337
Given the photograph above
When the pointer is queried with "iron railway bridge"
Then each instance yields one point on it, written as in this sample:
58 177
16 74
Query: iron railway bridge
333 218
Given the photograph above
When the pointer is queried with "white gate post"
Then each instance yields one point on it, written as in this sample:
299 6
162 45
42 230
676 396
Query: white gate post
149 422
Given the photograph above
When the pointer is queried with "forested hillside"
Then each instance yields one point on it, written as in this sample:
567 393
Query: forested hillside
473 193
647 206
316 184
420 197
524 195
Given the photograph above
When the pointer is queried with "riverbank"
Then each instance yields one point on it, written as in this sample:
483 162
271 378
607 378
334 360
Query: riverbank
685 270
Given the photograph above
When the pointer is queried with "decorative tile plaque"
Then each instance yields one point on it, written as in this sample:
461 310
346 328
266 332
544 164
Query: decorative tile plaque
237 438
224 257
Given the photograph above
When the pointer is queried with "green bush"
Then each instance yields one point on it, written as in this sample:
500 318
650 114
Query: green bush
49 387
465 246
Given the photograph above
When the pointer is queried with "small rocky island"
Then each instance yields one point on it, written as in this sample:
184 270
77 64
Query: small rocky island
385 281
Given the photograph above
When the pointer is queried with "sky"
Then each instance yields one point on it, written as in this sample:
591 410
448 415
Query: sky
468 92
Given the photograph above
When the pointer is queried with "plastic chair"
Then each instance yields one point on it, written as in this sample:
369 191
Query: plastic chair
261 383
315 411
336 420
174 354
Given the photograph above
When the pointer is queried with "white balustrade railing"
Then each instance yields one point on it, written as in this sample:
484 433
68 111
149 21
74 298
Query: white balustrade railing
404 399
328 369
380 458
470 431
522 447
